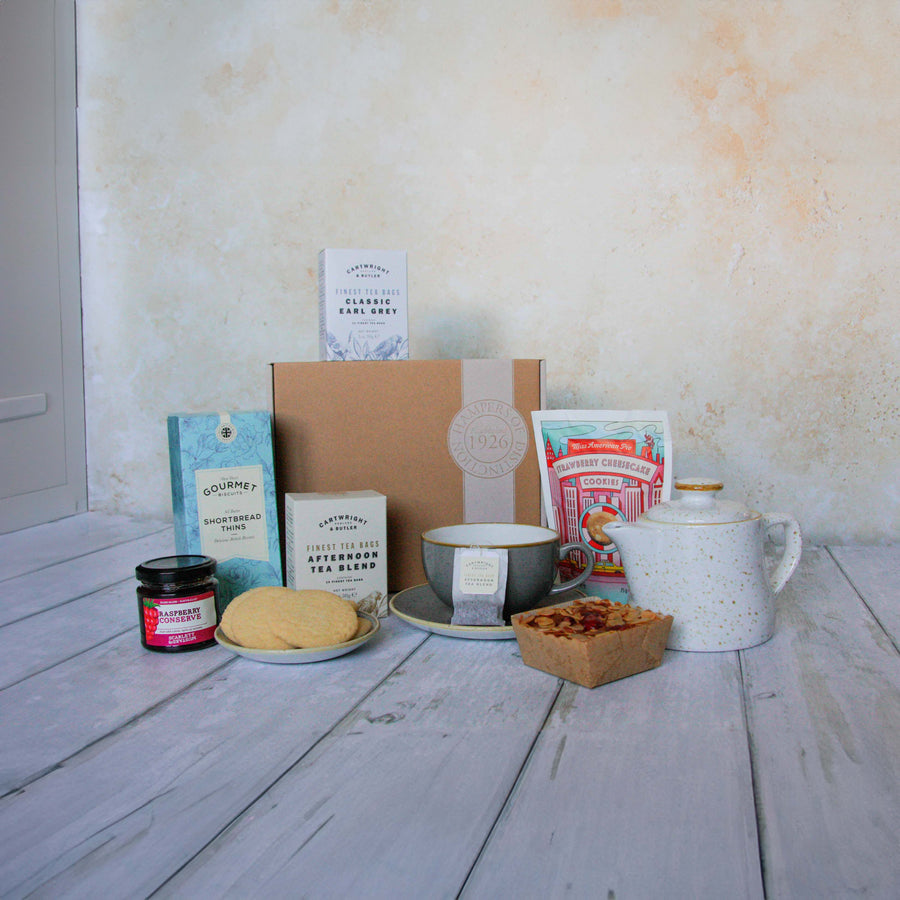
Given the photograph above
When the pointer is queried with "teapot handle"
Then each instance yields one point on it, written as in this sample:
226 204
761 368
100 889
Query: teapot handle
793 546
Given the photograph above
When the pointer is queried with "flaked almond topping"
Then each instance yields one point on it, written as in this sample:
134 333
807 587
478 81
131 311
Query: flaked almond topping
587 617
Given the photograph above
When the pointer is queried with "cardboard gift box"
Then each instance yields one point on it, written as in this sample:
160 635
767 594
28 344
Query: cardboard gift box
446 441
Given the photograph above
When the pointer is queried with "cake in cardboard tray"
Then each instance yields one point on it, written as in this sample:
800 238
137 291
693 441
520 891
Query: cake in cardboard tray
592 641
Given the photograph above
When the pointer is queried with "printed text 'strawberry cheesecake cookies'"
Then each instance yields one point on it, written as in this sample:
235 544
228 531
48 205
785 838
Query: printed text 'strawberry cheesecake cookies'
592 641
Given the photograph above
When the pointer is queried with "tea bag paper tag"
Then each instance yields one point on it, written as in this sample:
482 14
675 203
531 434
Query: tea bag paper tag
479 585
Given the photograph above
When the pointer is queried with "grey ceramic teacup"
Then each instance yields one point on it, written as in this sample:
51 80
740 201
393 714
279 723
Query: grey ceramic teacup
532 553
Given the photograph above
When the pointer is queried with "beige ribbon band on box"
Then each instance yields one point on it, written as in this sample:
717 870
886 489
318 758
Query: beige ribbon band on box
489 498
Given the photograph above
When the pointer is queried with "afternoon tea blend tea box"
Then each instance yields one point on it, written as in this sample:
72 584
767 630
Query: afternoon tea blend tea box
446 441
223 496
338 542
363 305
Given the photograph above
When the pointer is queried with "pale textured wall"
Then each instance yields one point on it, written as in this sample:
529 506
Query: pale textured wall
690 206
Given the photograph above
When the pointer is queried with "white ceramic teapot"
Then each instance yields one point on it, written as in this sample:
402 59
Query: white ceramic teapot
700 560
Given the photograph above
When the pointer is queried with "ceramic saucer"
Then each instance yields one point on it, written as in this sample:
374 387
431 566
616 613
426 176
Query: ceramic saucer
312 654
419 606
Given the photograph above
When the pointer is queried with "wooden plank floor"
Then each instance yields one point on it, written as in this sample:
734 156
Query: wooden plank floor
823 706
424 766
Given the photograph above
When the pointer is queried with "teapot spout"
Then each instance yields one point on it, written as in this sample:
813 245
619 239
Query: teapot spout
638 549
624 535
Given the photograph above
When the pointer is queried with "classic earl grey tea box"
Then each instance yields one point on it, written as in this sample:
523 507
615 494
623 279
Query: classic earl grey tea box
338 542
363 305
223 496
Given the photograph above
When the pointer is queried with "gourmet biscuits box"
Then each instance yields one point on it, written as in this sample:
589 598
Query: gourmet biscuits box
363 305
223 496
446 441
338 542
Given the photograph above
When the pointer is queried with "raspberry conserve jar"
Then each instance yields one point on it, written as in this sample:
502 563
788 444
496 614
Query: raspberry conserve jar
177 603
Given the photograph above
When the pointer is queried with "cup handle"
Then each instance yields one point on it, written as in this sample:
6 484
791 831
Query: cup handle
585 573
793 546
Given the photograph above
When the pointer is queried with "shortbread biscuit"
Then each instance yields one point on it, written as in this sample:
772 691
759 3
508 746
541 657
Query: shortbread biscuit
226 623
250 620
278 618
313 618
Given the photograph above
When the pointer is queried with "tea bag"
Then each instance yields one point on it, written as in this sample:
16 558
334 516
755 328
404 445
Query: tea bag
479 585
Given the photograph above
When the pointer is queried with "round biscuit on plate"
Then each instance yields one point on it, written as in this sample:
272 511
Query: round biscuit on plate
314 618
226 623
251 621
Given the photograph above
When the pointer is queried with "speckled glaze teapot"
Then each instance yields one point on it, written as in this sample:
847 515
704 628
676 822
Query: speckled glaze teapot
700 559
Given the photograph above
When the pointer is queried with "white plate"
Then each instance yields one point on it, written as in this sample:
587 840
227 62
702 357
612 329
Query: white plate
421 607
312 654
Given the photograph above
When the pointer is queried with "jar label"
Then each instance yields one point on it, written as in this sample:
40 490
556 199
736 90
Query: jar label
176 621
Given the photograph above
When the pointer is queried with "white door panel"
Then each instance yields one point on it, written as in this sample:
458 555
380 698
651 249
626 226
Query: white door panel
42 455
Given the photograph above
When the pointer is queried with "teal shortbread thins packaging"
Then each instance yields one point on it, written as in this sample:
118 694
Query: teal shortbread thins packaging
223 496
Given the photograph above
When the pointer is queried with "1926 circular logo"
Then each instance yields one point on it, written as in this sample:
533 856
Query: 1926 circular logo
488 438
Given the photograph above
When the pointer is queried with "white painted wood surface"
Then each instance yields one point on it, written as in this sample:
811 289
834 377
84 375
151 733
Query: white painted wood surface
823 706
653 768
423 766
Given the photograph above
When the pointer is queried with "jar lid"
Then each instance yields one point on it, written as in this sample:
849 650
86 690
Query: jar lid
695 503
176 569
